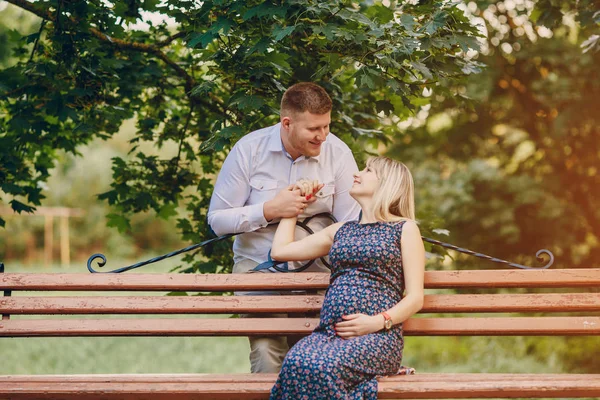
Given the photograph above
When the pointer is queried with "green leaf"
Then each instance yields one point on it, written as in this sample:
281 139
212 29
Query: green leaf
279 61
281 32
328 30
467 42
546 14
223 25
422 68
259 47
19 207
111 196
231 131
167 211
407 21
436 22
203 88
201 38
366 80
247 102
266 9
384 106
471 67
380 13
32 38
119 222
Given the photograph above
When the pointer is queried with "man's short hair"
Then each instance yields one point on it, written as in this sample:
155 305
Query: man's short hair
305 96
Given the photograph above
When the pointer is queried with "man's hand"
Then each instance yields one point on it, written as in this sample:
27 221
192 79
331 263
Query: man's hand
355 325
286 204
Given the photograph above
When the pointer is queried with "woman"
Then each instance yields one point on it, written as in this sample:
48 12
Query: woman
376 284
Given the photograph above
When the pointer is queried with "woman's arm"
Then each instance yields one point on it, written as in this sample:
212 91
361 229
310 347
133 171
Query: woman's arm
413 263
317 245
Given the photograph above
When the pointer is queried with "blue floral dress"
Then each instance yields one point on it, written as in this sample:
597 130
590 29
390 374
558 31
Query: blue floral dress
367 277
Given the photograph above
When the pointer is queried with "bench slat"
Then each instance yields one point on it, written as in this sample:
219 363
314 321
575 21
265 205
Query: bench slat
465 303
269 377
553 278
242 386
503 326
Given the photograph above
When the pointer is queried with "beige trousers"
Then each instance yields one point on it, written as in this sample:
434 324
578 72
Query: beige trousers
266 352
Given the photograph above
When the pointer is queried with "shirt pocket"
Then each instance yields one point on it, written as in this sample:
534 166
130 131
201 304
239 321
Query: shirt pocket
263 184
326 191
262 190
324 201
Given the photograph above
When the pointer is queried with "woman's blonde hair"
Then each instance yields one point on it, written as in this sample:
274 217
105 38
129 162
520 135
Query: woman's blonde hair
394 200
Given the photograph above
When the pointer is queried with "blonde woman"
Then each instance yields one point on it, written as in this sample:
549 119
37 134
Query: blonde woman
376 284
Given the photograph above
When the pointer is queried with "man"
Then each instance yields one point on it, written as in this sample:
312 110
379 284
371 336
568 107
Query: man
254 188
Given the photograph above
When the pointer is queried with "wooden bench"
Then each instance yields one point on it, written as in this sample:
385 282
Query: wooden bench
486 314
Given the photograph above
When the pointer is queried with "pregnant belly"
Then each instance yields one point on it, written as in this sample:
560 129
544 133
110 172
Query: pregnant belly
351 297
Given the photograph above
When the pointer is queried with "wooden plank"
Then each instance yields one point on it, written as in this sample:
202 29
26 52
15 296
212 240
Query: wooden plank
269 377
496 303
465 303
160 304
65 242
548 278
563 278
163 282
503 326
243 386
42 211
48 239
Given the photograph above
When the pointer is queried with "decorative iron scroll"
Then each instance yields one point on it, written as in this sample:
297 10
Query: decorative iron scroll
284 267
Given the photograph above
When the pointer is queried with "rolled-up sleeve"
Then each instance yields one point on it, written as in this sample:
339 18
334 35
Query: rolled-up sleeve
227 212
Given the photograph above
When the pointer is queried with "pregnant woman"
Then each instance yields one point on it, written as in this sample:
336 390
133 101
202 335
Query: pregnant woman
376 284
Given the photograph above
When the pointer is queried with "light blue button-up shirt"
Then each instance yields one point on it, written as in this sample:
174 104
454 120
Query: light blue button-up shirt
257 168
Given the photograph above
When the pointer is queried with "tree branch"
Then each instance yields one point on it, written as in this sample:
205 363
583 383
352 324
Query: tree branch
121 44
37 40
170 39
155 49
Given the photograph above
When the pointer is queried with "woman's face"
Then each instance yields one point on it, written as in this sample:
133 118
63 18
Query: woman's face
365 183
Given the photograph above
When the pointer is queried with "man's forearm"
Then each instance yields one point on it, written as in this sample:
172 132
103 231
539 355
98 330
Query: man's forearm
270 211
237 220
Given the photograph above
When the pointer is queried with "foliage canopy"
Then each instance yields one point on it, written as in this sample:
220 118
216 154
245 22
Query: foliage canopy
208 73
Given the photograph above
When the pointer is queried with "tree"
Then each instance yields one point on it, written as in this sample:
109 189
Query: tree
208 73
519 171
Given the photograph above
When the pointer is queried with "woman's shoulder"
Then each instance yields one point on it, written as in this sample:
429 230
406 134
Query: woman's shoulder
334 228
410 228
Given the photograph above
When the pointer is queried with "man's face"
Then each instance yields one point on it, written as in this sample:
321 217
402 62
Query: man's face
306 133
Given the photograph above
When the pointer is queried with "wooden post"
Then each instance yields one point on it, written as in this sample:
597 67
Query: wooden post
49 213
48 239
65 250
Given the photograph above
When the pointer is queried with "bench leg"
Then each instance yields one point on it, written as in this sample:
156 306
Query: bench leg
7 293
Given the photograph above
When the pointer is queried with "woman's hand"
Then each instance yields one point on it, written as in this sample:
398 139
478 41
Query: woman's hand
308 187
355 325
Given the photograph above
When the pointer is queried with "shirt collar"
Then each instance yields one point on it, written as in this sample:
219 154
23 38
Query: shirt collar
276 144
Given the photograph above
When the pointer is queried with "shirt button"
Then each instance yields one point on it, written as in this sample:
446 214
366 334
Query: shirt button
320 193
261 187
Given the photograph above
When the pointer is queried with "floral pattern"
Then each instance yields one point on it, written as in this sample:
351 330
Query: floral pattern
366 278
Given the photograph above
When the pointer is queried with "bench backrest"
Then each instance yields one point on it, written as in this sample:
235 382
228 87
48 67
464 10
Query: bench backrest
559 299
